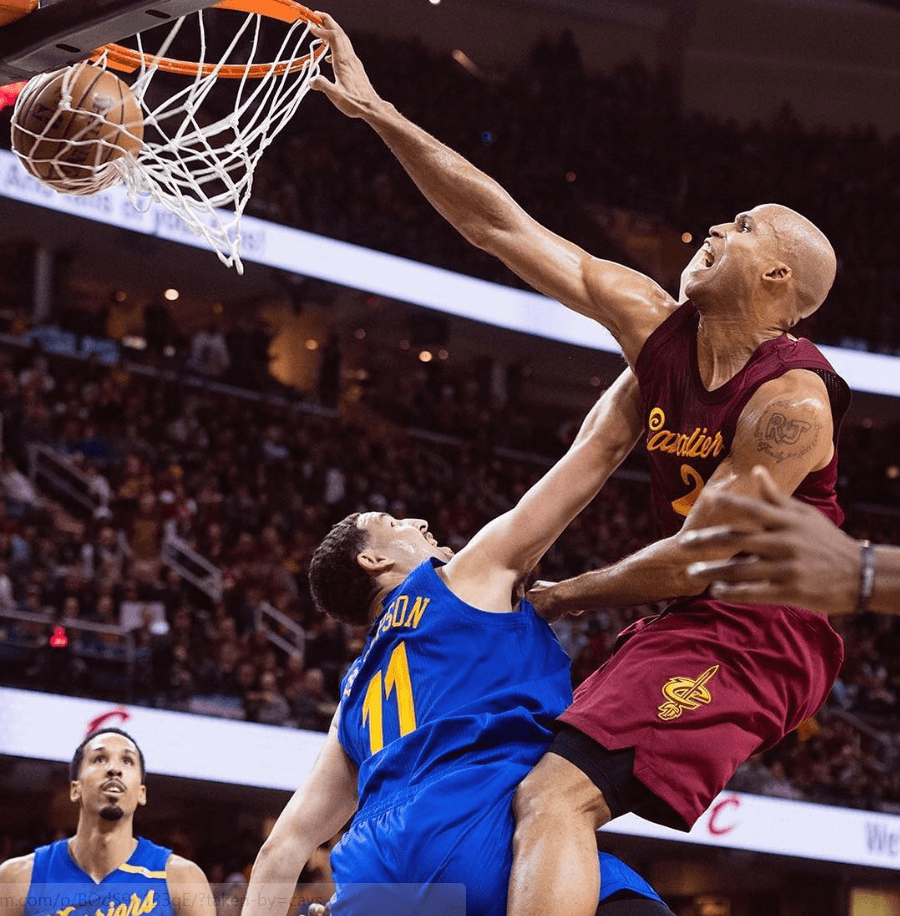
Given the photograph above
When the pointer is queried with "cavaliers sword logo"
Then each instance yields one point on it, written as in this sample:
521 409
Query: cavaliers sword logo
683 693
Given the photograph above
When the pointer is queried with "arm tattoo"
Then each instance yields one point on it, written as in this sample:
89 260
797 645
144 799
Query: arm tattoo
782 436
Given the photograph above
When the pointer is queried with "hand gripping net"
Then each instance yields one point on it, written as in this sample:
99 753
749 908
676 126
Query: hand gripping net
243 68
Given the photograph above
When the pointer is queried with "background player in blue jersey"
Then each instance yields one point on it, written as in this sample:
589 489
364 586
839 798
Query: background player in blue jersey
104 867
447 708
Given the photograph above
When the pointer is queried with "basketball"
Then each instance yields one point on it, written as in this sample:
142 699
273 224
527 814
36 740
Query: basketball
68 126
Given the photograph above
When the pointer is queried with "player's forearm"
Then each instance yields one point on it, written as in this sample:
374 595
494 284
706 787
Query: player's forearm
273 879
655 573
472 202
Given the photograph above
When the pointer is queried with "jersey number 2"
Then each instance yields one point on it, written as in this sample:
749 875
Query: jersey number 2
396 681
684 504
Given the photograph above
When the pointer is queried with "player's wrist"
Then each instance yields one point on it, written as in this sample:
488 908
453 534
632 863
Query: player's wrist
866 575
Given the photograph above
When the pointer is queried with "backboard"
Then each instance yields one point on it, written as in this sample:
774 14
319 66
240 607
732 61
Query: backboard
62 32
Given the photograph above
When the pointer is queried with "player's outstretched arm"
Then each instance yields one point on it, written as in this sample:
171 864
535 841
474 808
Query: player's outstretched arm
796 406
15 880
318 809
508 548
626 302
794 555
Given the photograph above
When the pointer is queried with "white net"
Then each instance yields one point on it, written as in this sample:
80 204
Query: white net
203 134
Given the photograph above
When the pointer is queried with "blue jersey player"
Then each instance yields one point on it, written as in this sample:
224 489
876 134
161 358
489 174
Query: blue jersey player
104 870
447 708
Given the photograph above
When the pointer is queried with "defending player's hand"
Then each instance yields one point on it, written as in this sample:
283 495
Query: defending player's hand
351 92
318 909
792 553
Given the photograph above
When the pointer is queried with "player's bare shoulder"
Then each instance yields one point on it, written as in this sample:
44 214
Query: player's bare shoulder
189 888
630 304
15 880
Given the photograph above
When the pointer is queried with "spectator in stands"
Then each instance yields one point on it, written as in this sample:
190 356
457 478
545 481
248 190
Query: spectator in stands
312 708
159 328
103 556
144 535
266 703
100 490
7 598
20 494
209 352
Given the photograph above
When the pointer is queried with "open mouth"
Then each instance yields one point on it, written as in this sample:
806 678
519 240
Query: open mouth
708 256
113 788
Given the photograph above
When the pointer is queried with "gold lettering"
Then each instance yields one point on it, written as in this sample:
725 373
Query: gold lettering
418 609
697 444
656 420
660 442
147 905
399 610
711 446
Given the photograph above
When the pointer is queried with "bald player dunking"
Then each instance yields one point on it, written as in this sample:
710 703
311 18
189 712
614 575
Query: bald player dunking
689 695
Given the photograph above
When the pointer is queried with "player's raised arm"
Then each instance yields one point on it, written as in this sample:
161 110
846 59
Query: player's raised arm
319 808
626 302
507 549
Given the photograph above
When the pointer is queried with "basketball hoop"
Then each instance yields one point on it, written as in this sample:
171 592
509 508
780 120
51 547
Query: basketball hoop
242 69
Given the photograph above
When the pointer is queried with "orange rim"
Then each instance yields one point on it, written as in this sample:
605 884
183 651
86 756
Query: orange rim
127 60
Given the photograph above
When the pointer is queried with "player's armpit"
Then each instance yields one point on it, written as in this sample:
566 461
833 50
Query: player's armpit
630 305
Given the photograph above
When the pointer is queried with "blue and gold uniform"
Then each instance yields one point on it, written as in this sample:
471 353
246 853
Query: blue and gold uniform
445 711
136 888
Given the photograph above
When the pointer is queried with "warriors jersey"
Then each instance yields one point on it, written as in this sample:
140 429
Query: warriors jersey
690 430
137 887
441 685
444 713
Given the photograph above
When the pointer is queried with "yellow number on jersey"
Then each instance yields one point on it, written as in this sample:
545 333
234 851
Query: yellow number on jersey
396 681
684 504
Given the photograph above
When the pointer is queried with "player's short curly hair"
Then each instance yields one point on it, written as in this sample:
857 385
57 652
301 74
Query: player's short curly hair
78 756
340 586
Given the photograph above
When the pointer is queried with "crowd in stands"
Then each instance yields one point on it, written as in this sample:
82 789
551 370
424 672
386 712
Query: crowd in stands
253 484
